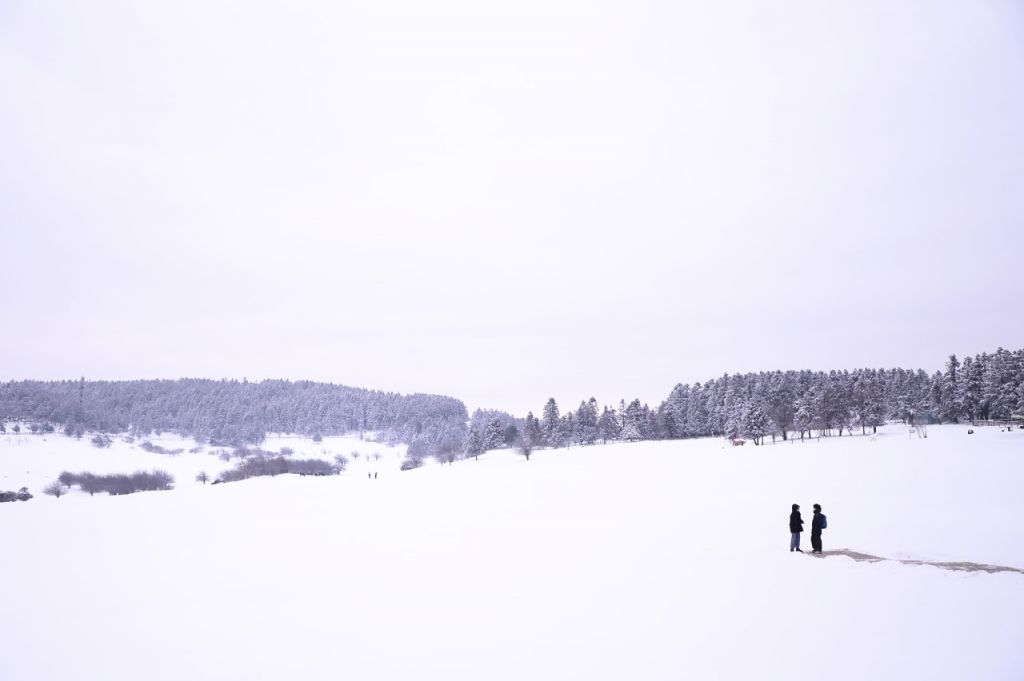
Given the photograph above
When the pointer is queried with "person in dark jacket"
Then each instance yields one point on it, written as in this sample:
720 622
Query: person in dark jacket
796 526
817 525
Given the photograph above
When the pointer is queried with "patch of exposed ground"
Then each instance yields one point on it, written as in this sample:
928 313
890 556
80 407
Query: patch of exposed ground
956 566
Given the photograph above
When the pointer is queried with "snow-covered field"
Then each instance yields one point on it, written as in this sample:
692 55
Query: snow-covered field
658 560
34 460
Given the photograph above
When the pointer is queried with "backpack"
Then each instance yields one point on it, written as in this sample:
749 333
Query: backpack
824 521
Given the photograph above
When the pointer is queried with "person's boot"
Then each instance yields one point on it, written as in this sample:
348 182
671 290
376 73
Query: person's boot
800 550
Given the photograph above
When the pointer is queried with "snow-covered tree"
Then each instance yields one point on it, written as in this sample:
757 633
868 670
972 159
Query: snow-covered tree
586 422
779 401
755 422
951 408
805 416
494 436
608 425
532 431
474 444
630 432
550 422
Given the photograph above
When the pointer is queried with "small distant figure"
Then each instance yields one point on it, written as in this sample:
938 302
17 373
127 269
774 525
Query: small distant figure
796 526
819 523
375 475
368 476
970 432
737 442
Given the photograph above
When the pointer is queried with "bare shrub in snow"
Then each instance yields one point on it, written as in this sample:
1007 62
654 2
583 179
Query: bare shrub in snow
54 489
101 440
157 449
89 483
120 483
202 477
258 466
525 447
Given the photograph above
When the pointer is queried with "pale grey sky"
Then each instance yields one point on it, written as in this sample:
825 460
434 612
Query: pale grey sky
507 201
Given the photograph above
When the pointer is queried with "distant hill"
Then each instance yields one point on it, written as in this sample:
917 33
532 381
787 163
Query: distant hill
235 412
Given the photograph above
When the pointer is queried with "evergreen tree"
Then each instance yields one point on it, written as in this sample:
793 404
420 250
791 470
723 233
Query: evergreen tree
608 425
532 431
474 445
550 423
566 429
805 417
697 412
630 432
675 410
632 422
755 422
494 436
969 388
780 402
586 422
952 408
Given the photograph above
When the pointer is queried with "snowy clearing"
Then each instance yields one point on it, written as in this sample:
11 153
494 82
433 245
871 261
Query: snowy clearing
33 460
653 560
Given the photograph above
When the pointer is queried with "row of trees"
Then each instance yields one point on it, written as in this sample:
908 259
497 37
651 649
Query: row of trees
118 483
234 412
260 465
778 404
766 404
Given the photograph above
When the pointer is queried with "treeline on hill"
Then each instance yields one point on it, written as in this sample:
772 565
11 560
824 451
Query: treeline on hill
776 404
235 412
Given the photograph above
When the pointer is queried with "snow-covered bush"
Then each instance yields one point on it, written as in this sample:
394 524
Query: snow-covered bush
20 495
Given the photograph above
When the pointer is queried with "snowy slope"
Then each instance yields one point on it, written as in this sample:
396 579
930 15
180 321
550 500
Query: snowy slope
659 560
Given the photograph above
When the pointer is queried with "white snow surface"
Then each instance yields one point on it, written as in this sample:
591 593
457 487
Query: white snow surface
34 460
654 560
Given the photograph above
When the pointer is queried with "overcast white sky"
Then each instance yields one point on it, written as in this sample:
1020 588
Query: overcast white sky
507 201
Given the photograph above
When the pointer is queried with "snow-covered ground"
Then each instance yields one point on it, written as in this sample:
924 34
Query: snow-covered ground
35 460
658 560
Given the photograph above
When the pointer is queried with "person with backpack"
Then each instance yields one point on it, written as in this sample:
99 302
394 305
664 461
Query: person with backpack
819 523
796 526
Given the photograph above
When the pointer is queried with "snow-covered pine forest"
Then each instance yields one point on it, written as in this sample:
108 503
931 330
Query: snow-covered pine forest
234 413
766 405
779 404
